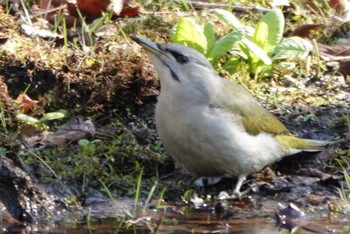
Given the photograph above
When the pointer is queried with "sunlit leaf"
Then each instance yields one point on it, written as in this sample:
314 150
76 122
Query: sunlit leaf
291 48
225 44
52 116
257 51
27 119
269 30
210 36
188 33
228 18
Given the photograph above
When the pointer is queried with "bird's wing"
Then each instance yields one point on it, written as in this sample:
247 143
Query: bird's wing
254 118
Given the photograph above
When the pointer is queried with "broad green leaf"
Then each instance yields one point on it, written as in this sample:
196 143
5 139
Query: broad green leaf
188 33
292 47
294 43
52 116
253 61
232 65
225 44
269 30
210 36
27 119
228 18
257 51
83 142
286 54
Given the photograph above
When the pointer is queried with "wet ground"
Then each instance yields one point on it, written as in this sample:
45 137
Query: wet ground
187 219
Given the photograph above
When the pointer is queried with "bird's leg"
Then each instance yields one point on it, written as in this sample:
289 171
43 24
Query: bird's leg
236 192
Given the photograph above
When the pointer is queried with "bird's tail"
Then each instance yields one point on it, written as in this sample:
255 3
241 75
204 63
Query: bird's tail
316 145
294 144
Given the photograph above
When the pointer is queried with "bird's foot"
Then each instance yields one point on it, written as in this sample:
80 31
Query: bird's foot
237 194
223 195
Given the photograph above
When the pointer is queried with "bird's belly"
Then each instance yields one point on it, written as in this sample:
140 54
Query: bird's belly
209 143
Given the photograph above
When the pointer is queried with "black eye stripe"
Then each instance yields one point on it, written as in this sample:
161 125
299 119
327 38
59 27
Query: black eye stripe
180 58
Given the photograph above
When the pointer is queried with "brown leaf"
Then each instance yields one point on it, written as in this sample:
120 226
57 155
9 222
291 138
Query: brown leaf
335 4
93 8
335 49
307 30
3 40
130 11
26 103
74 130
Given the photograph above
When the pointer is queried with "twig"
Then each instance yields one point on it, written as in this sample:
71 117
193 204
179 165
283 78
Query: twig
225 5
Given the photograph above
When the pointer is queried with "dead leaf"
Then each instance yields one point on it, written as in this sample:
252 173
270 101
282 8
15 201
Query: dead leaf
336 56
26 103
334 49
3 40
93 8
307 30
335 4
130 11
72 131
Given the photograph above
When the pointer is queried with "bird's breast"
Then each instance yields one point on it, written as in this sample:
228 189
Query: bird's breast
210 142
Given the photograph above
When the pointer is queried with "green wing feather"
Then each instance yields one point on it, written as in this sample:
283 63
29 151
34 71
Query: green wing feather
254 118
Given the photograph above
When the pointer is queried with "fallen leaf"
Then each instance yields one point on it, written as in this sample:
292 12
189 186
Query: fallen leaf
130 11
26 103
72 131
93 8
307 30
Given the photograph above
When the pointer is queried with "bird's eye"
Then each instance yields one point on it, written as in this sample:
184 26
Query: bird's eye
180 58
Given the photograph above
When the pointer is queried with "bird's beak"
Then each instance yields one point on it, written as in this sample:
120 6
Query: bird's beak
147 45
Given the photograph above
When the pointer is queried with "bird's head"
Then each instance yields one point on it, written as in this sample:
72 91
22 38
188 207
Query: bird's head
179 66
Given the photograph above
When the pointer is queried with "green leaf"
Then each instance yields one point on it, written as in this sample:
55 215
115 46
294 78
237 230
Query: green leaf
227 17
269 30
83 142
292 47
27 119
52 116
188 33
225 44
232 65
2 151
210 36
257 51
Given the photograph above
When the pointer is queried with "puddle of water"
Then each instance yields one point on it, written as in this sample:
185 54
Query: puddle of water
178 219
168 222
185 225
